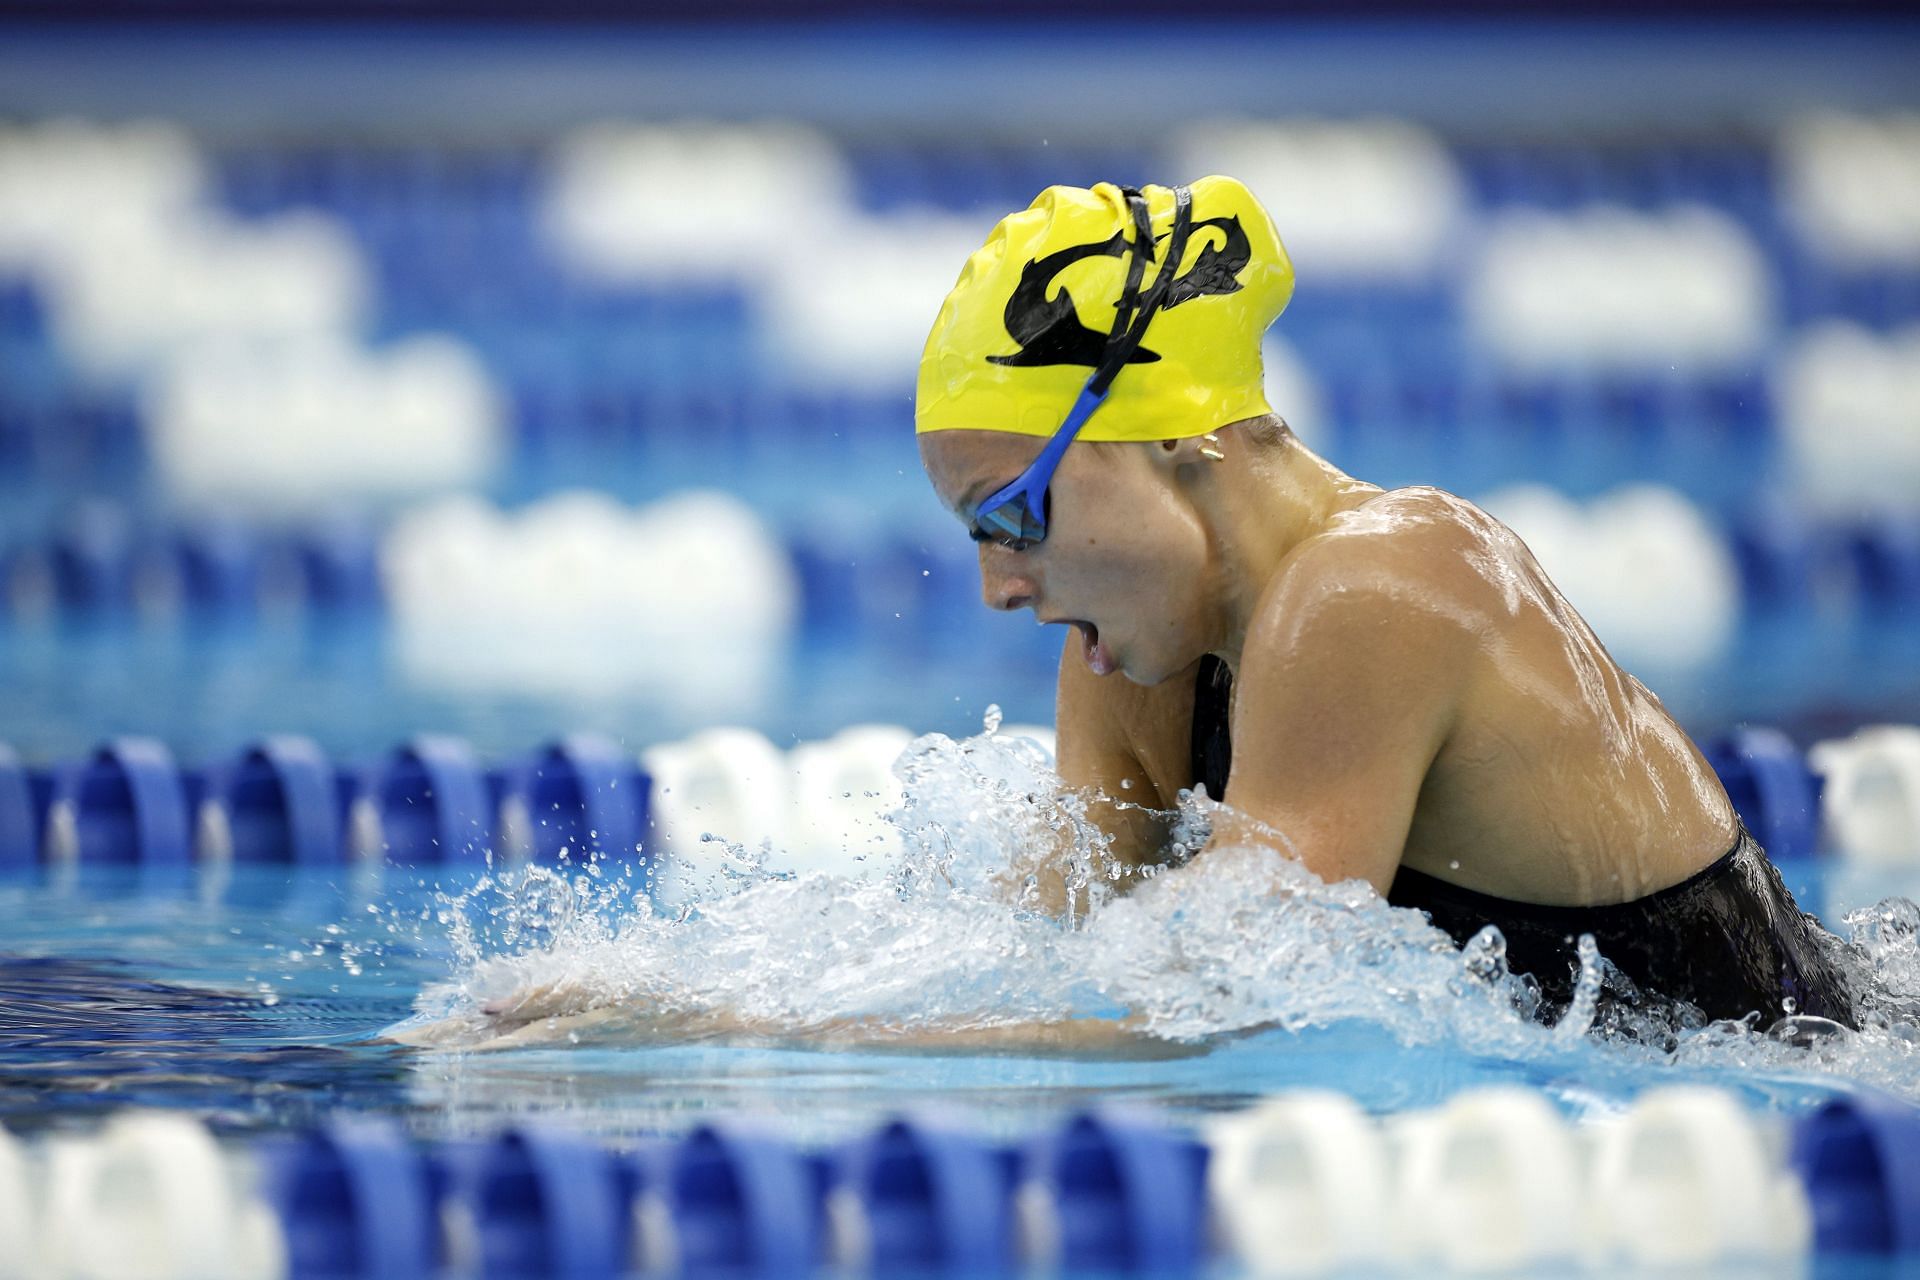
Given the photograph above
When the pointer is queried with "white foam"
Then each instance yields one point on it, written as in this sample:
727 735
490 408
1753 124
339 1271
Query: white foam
1850 413
305 421
690 599
726 796
1609 288
1366 199
935 946
1651 575
1040 735
932 942
1852 186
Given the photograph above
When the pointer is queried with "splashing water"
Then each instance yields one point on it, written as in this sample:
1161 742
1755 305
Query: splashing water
946 941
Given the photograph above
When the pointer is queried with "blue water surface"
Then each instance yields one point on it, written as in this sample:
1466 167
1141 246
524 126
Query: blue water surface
256 997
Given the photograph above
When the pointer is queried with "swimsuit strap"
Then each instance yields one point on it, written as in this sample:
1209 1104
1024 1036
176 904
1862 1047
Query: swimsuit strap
1211 743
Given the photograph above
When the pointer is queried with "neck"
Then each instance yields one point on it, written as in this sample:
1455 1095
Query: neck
1260 505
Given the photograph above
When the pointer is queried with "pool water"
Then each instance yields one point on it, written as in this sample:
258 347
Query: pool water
259 996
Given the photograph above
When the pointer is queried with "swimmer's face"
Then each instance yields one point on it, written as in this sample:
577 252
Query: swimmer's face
1125 556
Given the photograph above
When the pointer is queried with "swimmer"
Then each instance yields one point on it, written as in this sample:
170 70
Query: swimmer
1385 678
1382 684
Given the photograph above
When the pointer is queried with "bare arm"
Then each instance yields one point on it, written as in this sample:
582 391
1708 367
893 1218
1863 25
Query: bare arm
1105 727
553 1014
1350 682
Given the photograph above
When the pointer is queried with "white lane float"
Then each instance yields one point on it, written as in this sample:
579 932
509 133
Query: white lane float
1643 564
151 1197
19 1245
729 784
1492 1181
1300 1185
1687 1179
577 595
1606 287
1849 416
1378 199
843 790
1871 802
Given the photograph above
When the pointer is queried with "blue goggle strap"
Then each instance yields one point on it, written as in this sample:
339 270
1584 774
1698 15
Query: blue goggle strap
1130 326
1032 483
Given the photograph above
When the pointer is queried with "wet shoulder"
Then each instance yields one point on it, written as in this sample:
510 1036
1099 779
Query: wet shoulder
1417 550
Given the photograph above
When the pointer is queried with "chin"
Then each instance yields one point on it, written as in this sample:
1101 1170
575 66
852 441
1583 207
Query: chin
1148 671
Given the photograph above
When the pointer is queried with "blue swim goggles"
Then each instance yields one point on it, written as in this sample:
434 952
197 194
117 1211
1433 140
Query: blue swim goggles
1017 514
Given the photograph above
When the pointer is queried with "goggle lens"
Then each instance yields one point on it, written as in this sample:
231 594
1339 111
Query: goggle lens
1013 520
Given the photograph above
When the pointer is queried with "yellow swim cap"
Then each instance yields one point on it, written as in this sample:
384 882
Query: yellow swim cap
1027 322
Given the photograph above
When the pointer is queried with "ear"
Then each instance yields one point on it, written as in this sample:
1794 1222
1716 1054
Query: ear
1177 454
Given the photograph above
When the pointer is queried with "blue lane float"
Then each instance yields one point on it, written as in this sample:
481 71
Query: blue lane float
549 1203
19 824
215 566
584 795
127 804
738 1203
1859 1160
1775 793
338 563
432 802
1124 1194
90 563
281 801
1886 555
355 1198
930 1200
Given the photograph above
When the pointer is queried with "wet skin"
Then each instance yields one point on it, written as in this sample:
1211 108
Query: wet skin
1409 688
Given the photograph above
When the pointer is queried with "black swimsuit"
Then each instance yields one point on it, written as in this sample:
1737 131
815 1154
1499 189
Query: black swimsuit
1729 940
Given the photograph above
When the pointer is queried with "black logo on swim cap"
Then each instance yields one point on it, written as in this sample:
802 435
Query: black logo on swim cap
1048 328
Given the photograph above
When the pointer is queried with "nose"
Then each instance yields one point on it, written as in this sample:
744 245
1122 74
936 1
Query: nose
1002 585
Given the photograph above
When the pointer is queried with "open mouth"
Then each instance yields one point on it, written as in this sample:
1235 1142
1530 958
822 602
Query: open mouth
1098 658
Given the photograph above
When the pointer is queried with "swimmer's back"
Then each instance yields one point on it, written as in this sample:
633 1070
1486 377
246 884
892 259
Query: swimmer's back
1560 779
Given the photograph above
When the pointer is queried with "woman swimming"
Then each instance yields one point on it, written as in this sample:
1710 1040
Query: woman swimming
1383 685
1385 679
